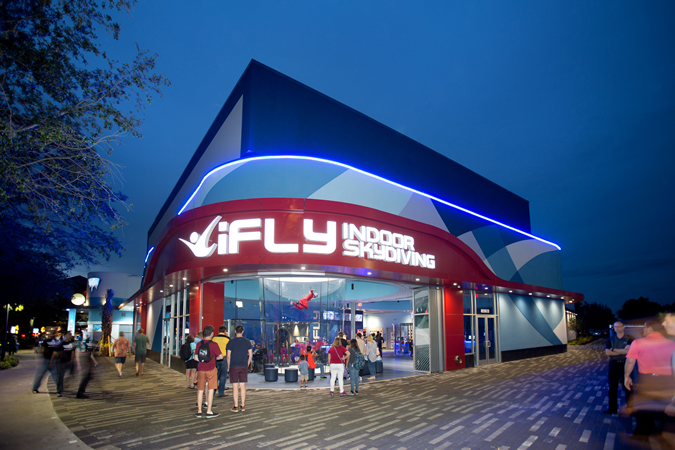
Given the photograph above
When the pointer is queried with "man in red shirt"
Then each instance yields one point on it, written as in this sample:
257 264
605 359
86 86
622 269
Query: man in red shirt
655 386
121 348
207 352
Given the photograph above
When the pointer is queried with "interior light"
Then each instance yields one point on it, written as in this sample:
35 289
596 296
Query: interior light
454 284
417 279
224 270
184 279
161 290
548 296
171 285
239 304
369 273
510 292
530 293
302 268
309 158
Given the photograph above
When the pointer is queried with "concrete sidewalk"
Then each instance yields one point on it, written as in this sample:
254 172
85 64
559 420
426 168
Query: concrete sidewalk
28 420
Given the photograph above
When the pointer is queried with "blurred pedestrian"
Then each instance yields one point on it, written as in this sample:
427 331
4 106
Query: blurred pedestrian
44 360
88 374
191 362
121 349
141 350
337 355
356 358
63 356
616 348
655 386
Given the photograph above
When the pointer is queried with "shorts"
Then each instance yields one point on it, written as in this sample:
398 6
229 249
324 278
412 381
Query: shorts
238 374
191 364
304 377
210 377
120 359
140 358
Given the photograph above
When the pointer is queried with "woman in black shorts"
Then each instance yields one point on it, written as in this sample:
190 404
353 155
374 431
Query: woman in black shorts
191 364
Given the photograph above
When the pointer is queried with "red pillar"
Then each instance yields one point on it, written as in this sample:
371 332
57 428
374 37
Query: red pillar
213 305
195 310
454 328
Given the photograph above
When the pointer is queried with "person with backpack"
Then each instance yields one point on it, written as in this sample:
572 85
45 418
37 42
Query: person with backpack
187 354
207 352
356 363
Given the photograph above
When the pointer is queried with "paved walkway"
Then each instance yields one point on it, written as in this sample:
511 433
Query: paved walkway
551 402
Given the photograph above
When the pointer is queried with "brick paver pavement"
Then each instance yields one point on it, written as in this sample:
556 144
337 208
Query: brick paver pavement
551 402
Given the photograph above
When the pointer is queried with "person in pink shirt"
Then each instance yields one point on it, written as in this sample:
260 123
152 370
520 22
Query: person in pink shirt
655 386
121 348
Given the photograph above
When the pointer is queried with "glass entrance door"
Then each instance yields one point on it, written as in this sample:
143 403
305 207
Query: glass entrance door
487 340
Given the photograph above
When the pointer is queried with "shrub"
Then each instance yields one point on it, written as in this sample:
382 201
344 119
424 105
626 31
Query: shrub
9 362
4 365
581 340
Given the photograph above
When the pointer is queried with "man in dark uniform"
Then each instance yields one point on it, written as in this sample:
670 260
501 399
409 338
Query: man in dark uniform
616 348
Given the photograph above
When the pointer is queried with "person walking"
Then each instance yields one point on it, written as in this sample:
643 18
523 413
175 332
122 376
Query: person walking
121 349
355 356
89 374
141 342
221 364
207 351
44 361
239 355
64 356
337 356
655 386
616 348
379 340
371 356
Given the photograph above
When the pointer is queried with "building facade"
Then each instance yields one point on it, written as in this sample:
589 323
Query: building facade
296 211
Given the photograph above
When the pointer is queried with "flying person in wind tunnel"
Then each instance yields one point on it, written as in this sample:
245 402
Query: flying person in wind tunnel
302 304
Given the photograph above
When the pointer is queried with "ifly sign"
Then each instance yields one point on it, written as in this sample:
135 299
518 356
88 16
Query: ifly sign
357 241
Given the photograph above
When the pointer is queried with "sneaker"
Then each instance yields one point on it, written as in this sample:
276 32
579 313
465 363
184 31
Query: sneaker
242 408
222 395
234 409
81 396
211 415
342 394
35 391
332 393
58 394
323 378
356 393
351 393
199 415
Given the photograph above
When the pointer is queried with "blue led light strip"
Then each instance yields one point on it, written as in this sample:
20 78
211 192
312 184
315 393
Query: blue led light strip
148 255
310 158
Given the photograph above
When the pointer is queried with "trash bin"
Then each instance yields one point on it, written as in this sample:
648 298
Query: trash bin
291 375
271 374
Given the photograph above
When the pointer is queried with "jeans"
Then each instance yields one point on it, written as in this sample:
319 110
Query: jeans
61 369
371 367
320 367
336 371
354 377
41 367
221 365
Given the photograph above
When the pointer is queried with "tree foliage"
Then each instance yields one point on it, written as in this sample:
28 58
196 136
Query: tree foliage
640 308
593 316
63 104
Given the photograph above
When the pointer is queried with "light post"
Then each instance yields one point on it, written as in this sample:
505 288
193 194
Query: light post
4 339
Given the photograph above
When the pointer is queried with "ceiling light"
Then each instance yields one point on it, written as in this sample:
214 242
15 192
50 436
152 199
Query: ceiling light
302 268
510 292
184 279
161 290
530 293
171 285
417 279
454 284
369 273
224 270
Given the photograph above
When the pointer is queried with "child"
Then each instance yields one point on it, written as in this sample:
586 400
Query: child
303 368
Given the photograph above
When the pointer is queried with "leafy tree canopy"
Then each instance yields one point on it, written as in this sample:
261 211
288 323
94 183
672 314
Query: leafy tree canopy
593 316
63 104
640 308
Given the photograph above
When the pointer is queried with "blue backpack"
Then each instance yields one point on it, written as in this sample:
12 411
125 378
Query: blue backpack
359 361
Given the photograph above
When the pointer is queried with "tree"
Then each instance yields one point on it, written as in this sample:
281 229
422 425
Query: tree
593 316
61 108
640 308
106 323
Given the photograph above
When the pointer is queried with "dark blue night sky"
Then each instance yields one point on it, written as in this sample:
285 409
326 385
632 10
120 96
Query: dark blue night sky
570 105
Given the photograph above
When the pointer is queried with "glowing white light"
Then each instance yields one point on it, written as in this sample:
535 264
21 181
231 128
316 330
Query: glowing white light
239 304
148 255
346 166
93 283
78 299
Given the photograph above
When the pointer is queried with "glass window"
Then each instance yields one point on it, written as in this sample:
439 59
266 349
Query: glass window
485 303
469 336
467 302
422 302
